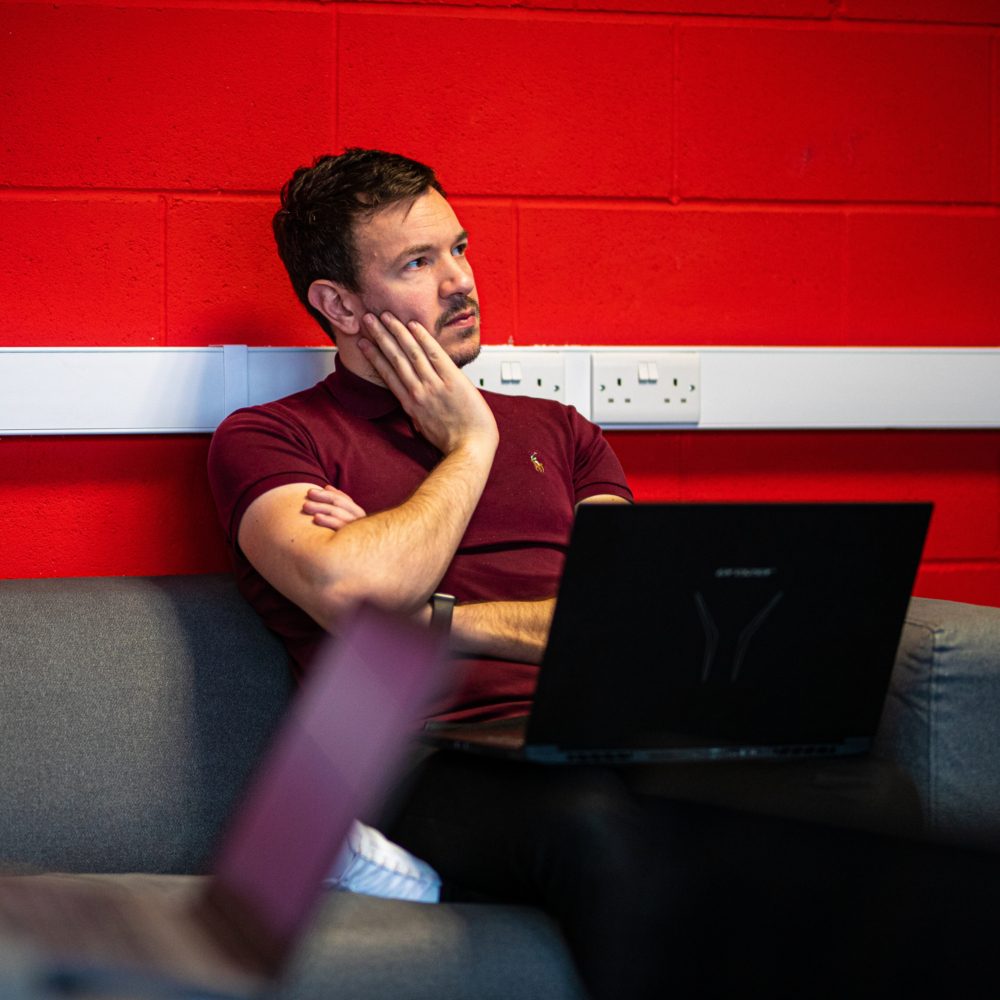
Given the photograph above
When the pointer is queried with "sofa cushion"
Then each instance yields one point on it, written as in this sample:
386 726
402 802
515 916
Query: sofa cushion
132 711
361 947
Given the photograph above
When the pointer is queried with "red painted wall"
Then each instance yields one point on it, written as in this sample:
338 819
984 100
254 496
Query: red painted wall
702 172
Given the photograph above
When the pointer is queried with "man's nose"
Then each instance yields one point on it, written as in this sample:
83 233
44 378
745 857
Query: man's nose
458 279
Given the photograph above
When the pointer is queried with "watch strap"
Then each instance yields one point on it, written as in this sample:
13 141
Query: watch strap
442 606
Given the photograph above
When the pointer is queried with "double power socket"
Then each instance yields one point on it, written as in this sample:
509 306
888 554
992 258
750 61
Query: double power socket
630 387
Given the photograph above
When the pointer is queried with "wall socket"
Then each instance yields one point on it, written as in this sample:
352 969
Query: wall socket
641 386
520 373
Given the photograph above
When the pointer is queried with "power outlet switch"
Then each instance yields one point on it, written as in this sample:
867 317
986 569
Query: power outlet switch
632 388
519 373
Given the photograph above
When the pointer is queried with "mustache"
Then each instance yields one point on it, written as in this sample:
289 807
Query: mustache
463 305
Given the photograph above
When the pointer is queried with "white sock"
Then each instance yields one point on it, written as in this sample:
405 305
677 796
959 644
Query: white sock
372 864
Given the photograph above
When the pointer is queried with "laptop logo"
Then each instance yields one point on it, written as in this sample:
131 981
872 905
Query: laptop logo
745 572
713 634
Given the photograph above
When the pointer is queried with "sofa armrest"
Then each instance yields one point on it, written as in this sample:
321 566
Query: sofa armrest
941 720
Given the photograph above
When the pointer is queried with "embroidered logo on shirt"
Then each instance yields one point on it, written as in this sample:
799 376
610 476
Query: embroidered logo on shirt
537 462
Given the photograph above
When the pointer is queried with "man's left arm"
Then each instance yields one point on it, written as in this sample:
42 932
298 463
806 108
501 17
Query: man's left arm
507 630
510 630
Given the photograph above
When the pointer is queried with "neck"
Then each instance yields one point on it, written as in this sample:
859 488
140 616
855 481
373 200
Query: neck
355 362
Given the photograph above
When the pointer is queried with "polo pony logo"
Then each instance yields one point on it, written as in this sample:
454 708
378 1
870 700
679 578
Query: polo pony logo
536 462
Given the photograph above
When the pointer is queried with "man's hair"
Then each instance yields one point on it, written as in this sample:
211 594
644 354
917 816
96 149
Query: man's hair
314 228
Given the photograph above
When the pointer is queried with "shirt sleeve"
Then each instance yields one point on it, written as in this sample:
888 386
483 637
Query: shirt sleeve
253 451
596 468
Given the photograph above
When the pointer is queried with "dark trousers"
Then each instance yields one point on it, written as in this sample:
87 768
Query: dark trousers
660 896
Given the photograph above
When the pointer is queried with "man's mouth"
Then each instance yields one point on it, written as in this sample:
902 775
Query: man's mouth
465 316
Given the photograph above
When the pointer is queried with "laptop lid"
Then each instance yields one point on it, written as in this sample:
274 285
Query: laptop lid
335 755
704 631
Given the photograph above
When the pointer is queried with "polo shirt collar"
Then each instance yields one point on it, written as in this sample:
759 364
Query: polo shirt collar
360 396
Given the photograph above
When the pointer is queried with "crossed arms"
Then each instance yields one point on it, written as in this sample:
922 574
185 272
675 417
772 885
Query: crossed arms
329 561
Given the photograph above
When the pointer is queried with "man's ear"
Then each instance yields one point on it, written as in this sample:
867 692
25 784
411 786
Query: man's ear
342 308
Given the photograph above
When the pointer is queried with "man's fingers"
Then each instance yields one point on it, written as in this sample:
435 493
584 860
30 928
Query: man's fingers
333 521
383 368
429 346
407 348
312 507
331 508
383 353
331 496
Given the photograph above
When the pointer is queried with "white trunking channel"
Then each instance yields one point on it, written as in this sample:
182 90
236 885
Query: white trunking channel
189 390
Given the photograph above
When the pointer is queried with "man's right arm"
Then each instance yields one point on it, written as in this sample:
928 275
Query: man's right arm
396 557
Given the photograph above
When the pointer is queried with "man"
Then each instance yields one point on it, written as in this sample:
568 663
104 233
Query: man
396 478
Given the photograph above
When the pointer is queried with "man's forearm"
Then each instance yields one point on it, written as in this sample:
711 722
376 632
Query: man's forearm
508 630
394 558
397 557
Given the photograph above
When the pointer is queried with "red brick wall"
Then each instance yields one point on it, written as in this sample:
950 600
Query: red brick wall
703 172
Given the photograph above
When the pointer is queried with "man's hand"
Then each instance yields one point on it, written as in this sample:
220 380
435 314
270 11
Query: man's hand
331 508
445 407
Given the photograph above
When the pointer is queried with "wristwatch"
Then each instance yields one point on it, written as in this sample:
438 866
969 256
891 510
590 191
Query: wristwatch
442 605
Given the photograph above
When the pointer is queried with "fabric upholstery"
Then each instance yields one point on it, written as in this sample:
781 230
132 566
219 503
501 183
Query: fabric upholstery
368 947
132 710
940 721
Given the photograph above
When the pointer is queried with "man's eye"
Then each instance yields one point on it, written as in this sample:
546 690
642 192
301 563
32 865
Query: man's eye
459 251
415 264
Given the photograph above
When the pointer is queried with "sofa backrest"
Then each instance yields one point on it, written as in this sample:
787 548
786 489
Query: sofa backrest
131 710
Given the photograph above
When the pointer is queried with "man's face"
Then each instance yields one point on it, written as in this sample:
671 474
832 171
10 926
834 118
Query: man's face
413 264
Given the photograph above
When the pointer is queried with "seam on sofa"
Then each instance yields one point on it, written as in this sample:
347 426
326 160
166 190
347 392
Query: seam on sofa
932 633
932 748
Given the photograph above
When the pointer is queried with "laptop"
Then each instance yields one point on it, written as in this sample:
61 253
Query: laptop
333 757
722 631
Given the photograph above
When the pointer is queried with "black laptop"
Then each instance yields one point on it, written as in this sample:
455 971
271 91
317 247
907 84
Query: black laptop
721 631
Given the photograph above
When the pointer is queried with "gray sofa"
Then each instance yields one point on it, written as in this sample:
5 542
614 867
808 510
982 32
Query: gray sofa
131 710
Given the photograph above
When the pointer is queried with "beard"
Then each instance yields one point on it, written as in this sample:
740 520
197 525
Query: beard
465 353
467 349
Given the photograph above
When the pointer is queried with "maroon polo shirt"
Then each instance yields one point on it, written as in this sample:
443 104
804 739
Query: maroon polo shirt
354 435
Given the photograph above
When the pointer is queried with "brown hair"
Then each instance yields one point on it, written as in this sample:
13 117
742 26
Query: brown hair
314 228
